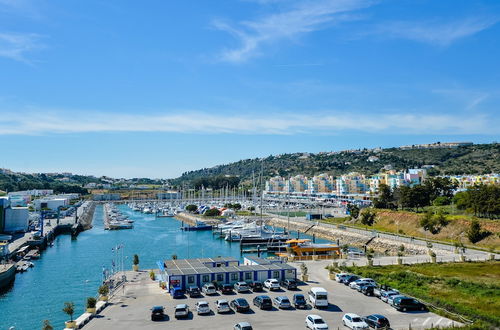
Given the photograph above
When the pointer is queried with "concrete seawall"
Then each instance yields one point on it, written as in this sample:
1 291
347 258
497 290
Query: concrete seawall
191 219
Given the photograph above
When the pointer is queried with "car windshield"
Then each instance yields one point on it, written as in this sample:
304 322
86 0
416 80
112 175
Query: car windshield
266 300
319 321
246 328
299 298
242 302
320 296
223 304
180 309
285 300
407 301
356 319
203 305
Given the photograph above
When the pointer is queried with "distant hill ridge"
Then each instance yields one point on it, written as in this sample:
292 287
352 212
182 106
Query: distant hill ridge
441 158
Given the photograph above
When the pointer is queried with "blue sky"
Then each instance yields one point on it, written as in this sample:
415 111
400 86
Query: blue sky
155 88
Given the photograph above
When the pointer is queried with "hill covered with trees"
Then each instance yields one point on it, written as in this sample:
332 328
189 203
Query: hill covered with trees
474 159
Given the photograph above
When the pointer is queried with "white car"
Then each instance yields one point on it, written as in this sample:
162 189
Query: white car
385 295
202 307
315 322
181 310
209 289
242 326
272 284
340 276
358 284
369 280
222 306
241 287
354 322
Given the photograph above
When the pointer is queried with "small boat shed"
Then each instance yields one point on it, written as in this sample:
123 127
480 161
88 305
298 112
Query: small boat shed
184 273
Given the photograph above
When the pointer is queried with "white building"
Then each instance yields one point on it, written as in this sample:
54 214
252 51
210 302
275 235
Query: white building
16 219
50 203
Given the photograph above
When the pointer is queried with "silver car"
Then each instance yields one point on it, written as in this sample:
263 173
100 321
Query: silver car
282 302
202 307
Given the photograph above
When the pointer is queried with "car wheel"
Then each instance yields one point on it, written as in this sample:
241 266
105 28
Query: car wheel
404 309
422 308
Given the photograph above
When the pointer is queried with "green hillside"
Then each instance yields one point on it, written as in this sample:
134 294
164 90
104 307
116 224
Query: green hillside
475 159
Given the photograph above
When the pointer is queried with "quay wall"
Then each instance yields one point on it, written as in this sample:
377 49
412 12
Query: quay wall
191 219
350 238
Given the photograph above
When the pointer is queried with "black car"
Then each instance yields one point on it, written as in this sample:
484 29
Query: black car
367 290
240 305
193 291
299 301
404 304
289 284
226 288
377 321
350 279
256 286
263 302
157 313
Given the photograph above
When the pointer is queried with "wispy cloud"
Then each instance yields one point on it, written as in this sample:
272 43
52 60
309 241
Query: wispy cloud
16 45
435 33
301 17
50 122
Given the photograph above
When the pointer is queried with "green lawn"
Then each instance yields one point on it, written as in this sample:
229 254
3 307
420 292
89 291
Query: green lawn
470 289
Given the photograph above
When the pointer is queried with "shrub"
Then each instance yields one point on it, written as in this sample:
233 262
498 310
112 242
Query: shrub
368 217
212 213
475 234
152 274
191 208
103 290
69 308
135 260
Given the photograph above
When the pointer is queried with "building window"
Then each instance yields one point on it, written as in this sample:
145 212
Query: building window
248 276
190 279
220 277
234 276
276 274
205 278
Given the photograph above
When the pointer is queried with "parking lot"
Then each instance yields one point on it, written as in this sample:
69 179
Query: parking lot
130 309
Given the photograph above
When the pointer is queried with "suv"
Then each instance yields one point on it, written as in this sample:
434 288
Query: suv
348 279
181 310
315 322
240 305
157 313
222 306
241 287
289 284
407 304
209 289
282 302
202 307
226 288
377 321
256 286
272 284
353 321
299 301
263 302
193 292
367 290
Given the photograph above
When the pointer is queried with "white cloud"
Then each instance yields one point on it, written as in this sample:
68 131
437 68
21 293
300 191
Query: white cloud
16 45
436 33
301 18
53 122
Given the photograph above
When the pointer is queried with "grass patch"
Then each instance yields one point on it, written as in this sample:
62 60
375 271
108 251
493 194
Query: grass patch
469 289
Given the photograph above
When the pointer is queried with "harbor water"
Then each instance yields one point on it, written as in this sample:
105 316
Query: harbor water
72 270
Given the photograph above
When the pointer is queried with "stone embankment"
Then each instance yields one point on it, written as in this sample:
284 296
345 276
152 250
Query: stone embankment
191 219
383 245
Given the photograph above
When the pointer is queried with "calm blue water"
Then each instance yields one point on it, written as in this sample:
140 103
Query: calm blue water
72 269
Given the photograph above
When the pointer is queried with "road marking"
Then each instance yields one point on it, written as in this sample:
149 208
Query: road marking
415 320
439 321
426 320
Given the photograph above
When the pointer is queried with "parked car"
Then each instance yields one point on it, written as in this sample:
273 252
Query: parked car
222 306
272 284
404 304
318 297
385 295
193 292
348 279
240 305
357 284
340 276
367 290
391 298
226 288
157 313
242 326
263 302
282 302
382 288
256 286
289 284
209 289
369 280
299 301
377 321
241 287
176 292
202 307
354 321
315 322
181 310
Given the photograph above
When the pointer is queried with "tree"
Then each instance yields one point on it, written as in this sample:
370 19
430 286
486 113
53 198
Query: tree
434 222
46 325
103 290
69 308
368 217
135 260
212 213
385 199
191 208
91 302
475 233
353 210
